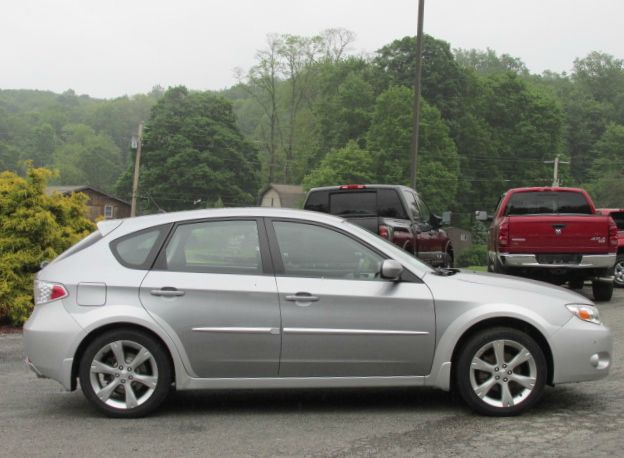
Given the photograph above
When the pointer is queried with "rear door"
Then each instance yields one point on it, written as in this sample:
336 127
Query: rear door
339 317
213 287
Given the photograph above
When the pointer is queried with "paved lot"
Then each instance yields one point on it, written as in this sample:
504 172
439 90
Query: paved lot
38 419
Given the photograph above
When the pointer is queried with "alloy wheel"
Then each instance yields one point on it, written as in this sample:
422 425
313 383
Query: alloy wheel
123 374
619 272
503 373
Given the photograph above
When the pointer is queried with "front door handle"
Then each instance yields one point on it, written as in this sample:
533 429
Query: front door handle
167 292
302 297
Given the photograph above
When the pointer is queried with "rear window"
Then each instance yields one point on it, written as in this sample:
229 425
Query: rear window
537 202
138 250
353 203
618 217
318 201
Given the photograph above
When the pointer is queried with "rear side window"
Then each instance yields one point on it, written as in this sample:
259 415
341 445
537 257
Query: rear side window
535 203
226 247
318 201
138 250
353 203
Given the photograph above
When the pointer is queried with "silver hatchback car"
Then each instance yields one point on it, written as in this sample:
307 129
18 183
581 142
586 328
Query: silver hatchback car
272 298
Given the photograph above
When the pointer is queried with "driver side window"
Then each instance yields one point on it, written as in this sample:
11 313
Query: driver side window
313 251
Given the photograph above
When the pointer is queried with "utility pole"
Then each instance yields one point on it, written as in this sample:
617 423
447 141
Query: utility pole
137 165
416 129
556 162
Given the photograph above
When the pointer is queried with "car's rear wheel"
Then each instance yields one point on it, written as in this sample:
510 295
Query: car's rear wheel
603 290
618 271
125 373
501 372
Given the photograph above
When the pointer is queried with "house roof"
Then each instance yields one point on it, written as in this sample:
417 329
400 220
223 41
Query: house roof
290 194
79 188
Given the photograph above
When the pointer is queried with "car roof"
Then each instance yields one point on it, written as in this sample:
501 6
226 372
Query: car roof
128 225
546 189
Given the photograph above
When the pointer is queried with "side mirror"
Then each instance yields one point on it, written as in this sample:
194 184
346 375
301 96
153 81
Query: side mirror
435 221
483 216
391 269
446 218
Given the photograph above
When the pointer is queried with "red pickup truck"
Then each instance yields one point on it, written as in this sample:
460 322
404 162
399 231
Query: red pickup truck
618 217
395 212
554 234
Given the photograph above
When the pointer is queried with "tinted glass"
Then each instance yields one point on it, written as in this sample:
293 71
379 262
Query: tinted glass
216 246
318 201
533 203
618 217
353 203
389 205
313 251
134 250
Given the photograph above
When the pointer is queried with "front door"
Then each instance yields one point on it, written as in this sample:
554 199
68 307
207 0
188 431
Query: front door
213 288
339 318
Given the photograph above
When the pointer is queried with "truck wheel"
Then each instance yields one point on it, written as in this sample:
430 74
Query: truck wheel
603 291
501 372
499 268
577 283
618 271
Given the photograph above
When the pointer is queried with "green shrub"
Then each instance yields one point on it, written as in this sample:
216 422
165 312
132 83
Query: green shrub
34 227
476 255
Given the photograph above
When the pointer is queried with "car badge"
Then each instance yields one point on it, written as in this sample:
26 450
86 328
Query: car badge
558 231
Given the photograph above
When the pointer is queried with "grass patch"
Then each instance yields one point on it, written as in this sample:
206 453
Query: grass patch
477 268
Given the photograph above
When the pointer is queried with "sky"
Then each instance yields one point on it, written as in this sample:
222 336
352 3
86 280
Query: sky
109 48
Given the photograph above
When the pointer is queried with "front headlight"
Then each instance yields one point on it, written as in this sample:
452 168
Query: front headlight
585 312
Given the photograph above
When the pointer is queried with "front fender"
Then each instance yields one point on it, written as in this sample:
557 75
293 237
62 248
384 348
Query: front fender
449 337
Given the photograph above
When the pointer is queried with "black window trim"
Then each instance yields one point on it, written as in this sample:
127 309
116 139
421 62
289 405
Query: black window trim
160 263
407 276
164 229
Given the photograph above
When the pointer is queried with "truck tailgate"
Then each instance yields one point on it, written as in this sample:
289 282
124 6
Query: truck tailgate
587 234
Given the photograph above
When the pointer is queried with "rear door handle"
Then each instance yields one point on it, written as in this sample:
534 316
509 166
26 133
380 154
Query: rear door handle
167 292
302 297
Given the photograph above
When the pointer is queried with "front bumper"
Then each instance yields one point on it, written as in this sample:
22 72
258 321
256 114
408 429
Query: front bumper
49 336
581 351
588 261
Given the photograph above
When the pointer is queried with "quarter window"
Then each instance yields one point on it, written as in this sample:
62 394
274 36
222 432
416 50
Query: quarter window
308 250
138 250
228 247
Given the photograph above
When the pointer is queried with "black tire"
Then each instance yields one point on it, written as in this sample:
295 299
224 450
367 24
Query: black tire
513 339
499 268
618 271
159 357
576 283
603 290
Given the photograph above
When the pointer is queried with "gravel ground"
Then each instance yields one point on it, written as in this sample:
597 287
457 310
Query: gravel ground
38 419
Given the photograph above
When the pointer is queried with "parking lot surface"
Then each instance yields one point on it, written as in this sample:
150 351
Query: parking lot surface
38 419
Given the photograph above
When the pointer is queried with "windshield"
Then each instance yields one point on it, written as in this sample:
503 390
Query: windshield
539 202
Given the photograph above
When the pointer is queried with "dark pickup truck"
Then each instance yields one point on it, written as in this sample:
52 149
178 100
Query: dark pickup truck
396 213
553 234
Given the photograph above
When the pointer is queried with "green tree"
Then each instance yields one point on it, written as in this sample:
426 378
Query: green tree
192 151
488 62
389 140
33 227
348 165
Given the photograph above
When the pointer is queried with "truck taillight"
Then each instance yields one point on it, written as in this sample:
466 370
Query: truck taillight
48 292
384 232
353 186
613 233
503 234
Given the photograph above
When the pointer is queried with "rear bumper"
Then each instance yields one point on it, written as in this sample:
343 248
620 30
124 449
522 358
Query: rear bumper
588 261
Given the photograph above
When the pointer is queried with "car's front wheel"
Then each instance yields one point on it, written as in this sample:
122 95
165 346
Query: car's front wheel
125 373
501 372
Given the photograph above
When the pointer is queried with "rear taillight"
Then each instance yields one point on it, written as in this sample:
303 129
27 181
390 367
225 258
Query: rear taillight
503 235
613 233
48 292
384 232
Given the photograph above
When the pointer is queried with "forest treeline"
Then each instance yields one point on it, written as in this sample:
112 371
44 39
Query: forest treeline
310 111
